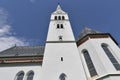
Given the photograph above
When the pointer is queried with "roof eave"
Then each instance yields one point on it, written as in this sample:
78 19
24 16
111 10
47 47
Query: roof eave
88 35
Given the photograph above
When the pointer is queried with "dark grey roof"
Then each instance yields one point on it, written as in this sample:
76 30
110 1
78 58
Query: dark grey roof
23 51
86 31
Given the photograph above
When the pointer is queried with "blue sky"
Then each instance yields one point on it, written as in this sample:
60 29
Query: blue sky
26 22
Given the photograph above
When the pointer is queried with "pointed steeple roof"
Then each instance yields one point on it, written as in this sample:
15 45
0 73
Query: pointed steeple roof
59 10
86 31
58 7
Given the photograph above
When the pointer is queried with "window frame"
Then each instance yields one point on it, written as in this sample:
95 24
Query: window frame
62 76
89 63
18 74
106 48
62 59
60 38
59 18
55 18
58 26
61 26
63 17
27 77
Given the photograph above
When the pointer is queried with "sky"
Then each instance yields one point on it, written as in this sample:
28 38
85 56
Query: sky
26 22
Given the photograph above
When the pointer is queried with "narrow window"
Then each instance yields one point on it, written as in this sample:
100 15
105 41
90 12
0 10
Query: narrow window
20 76
30 75
61 25
89 63
63 18
62 77
60 38
61 58
55 18
59 17
110 56
58 26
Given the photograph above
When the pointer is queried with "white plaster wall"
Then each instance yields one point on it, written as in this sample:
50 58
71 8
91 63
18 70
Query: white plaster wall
101 62
102 55
9 73
53 66
108 78
111 78
94 57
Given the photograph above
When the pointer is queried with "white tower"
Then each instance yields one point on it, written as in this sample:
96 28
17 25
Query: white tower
61 58
100 55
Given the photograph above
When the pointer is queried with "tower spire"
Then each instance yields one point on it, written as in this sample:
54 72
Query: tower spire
60 38
58 7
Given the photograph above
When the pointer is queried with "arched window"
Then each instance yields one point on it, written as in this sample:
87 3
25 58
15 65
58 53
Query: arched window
61 25
62 77
110 56
89 63
63 18
60 38
61 58
59 17
30 75
58 26
20 76
55 18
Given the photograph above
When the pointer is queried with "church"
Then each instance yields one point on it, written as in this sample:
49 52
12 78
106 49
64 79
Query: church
93 56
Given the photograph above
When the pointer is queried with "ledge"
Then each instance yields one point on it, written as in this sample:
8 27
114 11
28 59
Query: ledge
21 60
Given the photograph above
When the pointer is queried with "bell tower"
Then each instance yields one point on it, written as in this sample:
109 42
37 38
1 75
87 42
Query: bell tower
60 28
61 57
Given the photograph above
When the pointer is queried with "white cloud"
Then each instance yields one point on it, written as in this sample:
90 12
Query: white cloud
7 40
4 30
